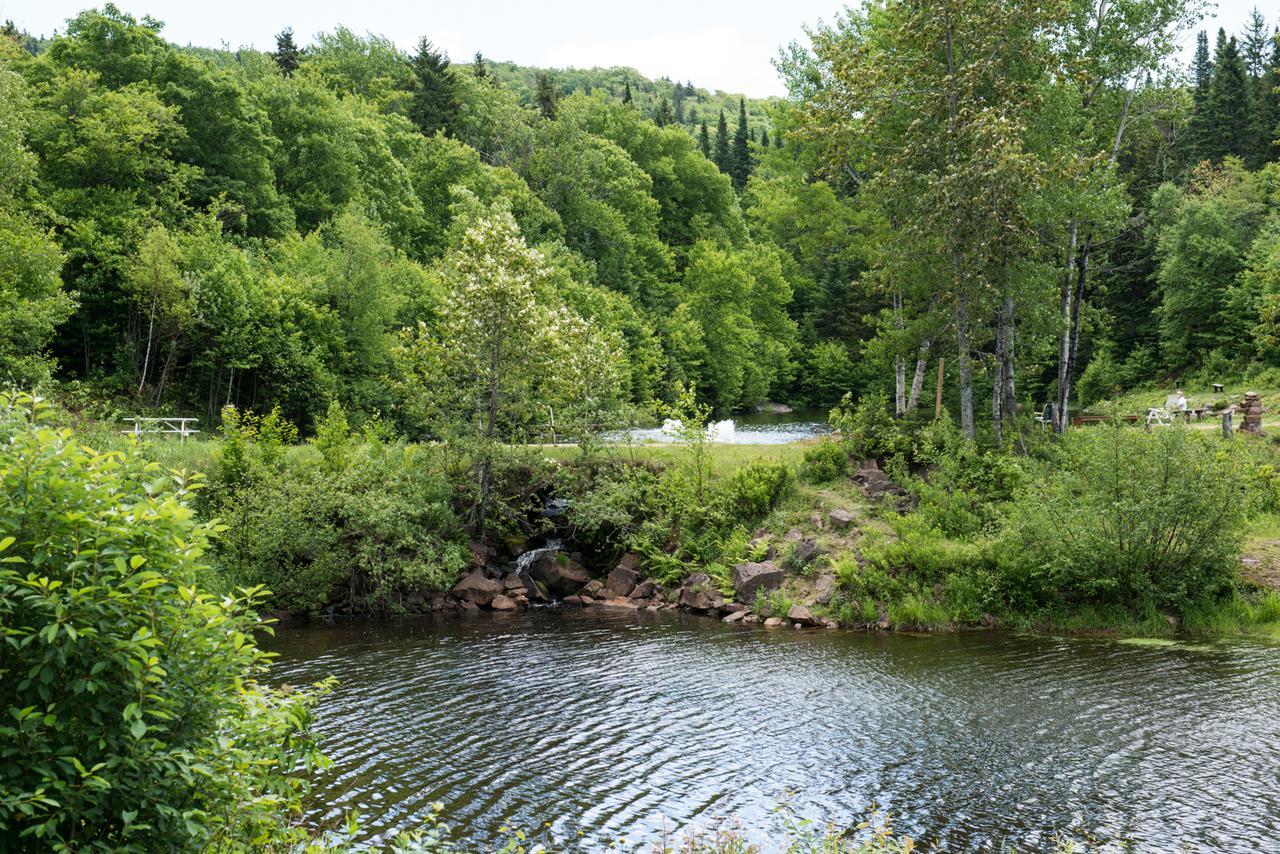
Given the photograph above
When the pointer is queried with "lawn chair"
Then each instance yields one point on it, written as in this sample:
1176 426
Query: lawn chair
1162 416
1045 417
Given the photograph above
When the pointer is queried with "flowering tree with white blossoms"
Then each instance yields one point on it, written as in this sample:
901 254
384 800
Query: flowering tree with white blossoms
499 362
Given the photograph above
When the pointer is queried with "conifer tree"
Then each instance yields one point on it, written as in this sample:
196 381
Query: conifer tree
480 66
662 114
1229 104
722 144
546 96
740 159
704 141
677 103
626 91
764 137
1254 48
1202 65
434 102
1199 132
287 55
1267 106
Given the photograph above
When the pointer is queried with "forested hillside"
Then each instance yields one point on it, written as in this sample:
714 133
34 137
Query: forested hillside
191 227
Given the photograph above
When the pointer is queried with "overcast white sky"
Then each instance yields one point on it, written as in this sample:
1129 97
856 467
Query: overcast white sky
724 44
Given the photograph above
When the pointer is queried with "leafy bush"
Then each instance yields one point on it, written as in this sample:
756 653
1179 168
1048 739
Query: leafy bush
1130 518
356 524
824 462
132 719
756 488
869 429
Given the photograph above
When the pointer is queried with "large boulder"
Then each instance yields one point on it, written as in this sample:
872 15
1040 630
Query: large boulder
622 581
748 578
802 615
503 603
477 588
644 590
700 594
841 519
824 588
559 573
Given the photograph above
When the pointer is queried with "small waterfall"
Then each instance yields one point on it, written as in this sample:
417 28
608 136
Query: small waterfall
524 561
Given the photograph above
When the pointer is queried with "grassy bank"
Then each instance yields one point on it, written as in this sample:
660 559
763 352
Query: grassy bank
940 535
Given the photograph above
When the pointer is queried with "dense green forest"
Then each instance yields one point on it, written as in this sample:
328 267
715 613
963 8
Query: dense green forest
190 228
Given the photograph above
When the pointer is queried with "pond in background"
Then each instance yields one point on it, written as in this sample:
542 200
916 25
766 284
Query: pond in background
752 428
610 724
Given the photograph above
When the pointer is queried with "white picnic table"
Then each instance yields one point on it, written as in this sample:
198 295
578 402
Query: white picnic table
166 425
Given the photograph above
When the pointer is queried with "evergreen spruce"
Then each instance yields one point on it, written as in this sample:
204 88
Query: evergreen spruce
1268 106
546 96
704 141
626 91
1231 128
1199 131
287 55
740 159
1201 66
1254 47
480 66
764 137
677 103
722 144
434 103
662 114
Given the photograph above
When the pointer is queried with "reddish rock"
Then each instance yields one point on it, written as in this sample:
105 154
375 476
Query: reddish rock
841 519
503 603
773 623
621 602
481 553
477 588
733 617
560 573
644 590
700 594
622 581
512 582
594 588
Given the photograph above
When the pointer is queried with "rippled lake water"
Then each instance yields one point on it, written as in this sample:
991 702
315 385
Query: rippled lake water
615 724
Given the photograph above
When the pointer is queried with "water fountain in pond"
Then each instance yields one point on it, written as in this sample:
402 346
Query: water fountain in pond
720 431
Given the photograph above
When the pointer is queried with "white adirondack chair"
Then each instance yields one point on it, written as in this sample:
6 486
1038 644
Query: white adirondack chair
1162 416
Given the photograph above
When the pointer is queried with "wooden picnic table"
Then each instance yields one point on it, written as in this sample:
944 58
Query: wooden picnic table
1082 420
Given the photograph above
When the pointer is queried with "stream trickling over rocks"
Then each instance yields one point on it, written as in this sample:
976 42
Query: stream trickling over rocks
611 723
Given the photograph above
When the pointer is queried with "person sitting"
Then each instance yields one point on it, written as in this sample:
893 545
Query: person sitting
1180 405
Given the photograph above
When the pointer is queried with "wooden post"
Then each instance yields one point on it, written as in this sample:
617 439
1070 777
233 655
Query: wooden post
1226 424
937 406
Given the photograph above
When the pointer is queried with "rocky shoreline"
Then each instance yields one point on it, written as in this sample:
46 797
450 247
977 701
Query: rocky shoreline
553 575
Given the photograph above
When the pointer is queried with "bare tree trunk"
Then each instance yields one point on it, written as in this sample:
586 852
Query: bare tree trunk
1074 283
1009 389
1065 302
917 380
1003 400
966 367
490 428
899 365
146 359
